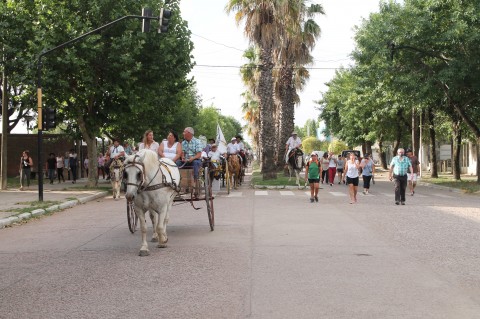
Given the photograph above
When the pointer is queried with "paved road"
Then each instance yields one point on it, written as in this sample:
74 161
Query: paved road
273 254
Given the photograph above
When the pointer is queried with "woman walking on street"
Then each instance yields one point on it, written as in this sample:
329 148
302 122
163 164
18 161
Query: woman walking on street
368 169
312 173
332 168
340 166
60 166
351 175
26 164
324 162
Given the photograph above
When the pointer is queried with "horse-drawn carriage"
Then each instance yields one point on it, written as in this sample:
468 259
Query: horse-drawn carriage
154 185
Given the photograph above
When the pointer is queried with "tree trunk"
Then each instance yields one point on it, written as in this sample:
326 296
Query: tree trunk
382 154
267 125
457 144
415 133
91 141
478 160
433 141
3 171
287 111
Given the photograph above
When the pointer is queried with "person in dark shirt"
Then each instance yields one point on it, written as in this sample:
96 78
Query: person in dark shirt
51 166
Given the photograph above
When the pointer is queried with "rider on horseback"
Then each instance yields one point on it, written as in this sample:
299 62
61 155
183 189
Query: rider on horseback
241 150
294 143
116 151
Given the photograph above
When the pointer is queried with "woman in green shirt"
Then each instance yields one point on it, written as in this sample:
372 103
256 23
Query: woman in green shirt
312 173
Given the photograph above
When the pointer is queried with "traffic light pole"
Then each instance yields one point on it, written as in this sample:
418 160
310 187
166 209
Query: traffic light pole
39 90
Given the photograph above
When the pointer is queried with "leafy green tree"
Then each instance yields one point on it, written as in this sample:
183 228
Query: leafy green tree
118 81
311 143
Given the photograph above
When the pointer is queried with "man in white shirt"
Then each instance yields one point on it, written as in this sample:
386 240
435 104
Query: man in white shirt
232 147
293 142
116 151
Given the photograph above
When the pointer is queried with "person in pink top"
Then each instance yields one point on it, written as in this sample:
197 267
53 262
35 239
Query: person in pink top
101 165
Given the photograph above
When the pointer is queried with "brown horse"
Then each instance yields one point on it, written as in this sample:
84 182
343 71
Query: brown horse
234 170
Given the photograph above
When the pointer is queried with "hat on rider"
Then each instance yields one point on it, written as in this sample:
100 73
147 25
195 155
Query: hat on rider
233 139
294 133
314 154
213 145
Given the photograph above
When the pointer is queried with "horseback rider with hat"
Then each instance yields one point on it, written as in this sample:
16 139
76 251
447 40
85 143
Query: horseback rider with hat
293 143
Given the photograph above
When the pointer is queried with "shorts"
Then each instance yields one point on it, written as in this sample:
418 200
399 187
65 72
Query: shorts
353 181
339 170
409 177
314 180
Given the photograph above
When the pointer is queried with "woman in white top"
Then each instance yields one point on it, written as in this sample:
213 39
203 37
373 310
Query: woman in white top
170 148
351 175
148 142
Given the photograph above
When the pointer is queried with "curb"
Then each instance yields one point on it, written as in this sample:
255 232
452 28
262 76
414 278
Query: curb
38 212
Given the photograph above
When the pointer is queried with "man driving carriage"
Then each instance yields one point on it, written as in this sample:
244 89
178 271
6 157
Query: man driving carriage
294 143
191 152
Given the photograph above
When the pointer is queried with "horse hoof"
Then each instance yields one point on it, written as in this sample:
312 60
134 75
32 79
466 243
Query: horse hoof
144 253
164 245
154 240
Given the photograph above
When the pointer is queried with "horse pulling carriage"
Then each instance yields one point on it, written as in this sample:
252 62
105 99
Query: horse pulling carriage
154 185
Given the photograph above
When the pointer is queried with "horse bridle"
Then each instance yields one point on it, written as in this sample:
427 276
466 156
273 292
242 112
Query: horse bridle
141 168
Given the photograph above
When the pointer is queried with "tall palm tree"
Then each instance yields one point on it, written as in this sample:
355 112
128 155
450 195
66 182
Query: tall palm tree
261 26
250 77
298 40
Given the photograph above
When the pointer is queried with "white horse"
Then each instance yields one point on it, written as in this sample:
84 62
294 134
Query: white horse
295 164
116 176
152 186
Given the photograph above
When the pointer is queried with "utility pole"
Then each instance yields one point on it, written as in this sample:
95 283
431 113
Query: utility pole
4 164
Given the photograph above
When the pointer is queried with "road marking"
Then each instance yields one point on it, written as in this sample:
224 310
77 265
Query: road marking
388 194
337 194
235 194
442 195
261 193
287 193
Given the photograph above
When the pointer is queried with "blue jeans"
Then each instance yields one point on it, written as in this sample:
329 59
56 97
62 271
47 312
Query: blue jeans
196 166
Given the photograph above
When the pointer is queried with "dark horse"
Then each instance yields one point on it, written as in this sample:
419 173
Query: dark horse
295 164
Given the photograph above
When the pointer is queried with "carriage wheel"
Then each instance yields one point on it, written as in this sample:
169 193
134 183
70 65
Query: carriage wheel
209 199
227 178
132 218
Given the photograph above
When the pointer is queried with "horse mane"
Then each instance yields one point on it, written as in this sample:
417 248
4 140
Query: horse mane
149 158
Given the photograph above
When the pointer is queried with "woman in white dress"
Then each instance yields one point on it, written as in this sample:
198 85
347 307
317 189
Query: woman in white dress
170 148
148 142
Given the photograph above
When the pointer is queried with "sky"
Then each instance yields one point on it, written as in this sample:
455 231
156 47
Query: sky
220 42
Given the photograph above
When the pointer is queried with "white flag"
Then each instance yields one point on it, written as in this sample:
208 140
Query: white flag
220 140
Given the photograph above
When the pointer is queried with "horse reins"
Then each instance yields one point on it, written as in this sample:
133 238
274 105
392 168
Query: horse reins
141 168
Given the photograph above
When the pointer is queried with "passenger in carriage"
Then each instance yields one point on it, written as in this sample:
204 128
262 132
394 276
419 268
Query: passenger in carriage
191 152
148 142
170 148
215 159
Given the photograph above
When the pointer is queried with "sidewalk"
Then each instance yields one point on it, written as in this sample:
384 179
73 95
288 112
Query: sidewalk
68 194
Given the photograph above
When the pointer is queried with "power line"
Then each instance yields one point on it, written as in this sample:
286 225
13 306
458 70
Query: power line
218 43
239 67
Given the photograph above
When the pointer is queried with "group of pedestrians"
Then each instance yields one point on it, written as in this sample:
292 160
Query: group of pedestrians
54 166
403 171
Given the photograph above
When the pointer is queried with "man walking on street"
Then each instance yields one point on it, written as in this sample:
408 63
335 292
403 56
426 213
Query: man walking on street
399 166
412 180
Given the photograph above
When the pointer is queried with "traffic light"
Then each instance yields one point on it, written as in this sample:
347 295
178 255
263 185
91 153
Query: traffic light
164 20
49 119
146 12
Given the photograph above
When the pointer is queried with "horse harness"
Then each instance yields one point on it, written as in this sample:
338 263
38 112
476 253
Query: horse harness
148 187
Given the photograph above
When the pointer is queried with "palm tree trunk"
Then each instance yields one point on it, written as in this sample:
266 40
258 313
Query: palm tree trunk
287 110
267 125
